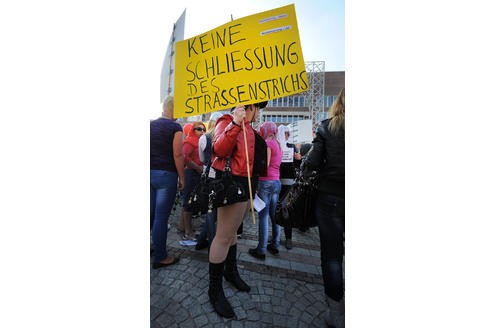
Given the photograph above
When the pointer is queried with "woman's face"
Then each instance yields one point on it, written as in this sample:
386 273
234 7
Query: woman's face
252 113
199 130
287 134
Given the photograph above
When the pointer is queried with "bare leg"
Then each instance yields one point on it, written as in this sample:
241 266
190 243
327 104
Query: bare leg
229 218
187 220
180 225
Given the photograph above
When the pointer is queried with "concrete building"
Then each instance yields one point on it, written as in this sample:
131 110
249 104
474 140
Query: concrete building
296 107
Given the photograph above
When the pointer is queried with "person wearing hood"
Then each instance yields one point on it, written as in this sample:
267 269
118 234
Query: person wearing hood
291 160
268 191
192 173
205 149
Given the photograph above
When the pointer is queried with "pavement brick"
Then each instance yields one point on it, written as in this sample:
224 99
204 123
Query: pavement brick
275 300
213 318
189 323
164 319
240 313
279 310
181 315
237 324
286 290
306 317
266 307
201 321
266 318
155 312
195 311
251 324
253 316
314 311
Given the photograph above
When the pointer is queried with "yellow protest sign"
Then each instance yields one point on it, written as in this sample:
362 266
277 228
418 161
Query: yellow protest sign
249 60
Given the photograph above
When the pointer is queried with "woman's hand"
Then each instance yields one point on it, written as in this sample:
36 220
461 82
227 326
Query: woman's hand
180 184
239 114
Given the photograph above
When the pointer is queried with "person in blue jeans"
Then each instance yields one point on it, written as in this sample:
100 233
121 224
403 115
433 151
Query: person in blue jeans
166 175
269 190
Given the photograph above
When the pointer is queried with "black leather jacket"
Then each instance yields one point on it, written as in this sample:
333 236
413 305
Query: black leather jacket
327 157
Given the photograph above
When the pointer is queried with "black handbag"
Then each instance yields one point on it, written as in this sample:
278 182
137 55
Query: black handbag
296 208
214 193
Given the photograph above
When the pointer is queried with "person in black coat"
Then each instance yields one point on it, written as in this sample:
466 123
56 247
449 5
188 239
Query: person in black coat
327 158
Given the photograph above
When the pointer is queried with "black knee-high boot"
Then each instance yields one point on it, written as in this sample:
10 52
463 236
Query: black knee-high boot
231 273
215 291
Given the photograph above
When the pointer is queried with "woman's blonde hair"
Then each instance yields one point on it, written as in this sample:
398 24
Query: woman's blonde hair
168 105
211 127
337 113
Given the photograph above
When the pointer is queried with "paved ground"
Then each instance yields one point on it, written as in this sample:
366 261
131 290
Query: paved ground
286 290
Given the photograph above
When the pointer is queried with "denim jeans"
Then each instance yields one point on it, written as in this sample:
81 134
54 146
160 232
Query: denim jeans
330 215
268 191
163 186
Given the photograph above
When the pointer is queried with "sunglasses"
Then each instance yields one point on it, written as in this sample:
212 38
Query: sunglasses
200 129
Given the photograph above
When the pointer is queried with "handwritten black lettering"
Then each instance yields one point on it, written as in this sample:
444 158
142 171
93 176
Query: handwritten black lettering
259 59
295 82
276 91
241 92
303 74
203 86
190 71
253 91
190 46
218 68
233 61
271 58
192 89
219 39
208 68
196 71
215 87
216 100
203 43
250 68
231 34
189 108
207 100
280 55
234 99
292 57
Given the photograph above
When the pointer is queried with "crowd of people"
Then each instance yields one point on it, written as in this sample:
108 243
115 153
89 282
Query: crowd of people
265 165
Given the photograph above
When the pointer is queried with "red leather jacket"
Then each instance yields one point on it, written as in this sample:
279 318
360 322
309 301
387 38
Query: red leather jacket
229 141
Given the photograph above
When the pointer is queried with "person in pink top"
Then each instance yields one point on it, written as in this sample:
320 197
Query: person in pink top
269 190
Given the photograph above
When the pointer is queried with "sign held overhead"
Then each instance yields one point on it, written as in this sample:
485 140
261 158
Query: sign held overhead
249 60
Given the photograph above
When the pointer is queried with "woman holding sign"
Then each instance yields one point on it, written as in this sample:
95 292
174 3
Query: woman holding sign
229 142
